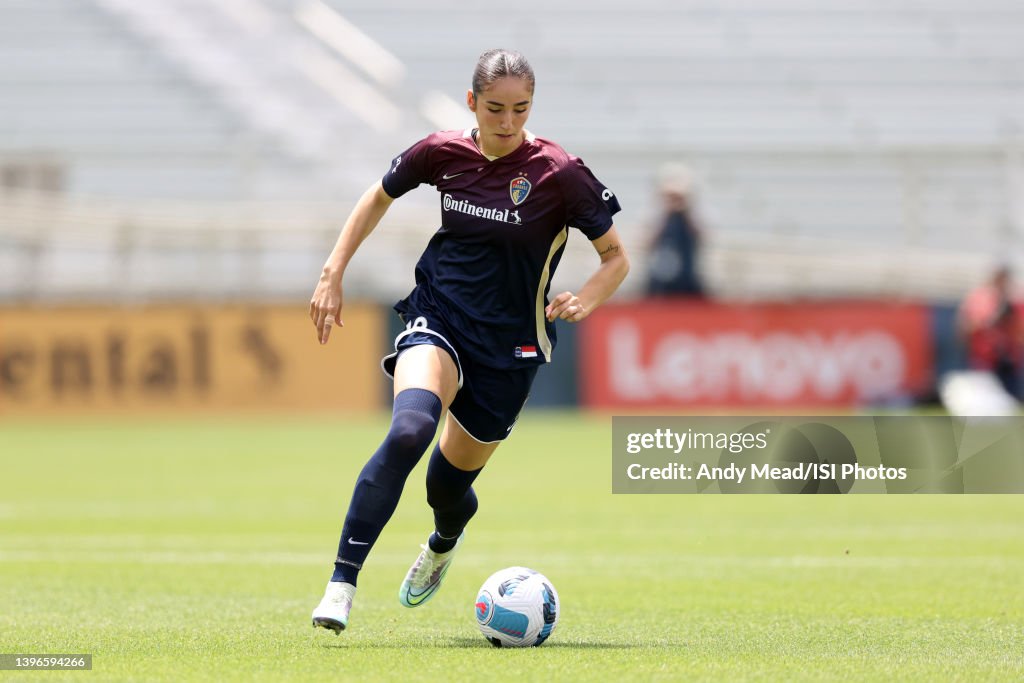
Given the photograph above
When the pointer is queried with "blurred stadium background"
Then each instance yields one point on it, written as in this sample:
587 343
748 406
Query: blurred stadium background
173 174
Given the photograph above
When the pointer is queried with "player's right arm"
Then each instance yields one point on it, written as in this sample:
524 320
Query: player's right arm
325 306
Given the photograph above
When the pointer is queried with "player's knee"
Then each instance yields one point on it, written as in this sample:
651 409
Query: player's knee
412 431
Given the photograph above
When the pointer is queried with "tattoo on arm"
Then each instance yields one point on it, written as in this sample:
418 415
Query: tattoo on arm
612 249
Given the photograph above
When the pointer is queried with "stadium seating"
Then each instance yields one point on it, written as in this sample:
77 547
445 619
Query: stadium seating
866 142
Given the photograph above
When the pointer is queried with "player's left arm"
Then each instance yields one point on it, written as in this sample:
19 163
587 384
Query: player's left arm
601 285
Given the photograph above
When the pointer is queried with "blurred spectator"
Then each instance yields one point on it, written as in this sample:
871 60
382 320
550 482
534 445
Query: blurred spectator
674 248
992 328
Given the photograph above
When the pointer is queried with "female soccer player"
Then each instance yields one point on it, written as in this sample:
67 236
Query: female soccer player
478 323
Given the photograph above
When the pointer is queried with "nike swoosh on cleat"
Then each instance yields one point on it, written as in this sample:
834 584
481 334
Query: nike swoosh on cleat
355 542
417 598
449 177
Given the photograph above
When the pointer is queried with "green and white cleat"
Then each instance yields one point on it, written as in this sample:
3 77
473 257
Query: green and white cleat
332 612
426 574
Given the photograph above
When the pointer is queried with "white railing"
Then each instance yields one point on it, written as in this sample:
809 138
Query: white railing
60 248
54 248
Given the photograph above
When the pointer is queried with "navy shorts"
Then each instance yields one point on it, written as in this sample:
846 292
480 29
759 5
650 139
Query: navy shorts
489 400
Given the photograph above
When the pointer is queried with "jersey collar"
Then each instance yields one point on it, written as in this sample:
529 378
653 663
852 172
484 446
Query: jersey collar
469 133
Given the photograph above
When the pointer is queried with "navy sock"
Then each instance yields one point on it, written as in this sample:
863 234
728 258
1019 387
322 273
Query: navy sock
379 486
450 493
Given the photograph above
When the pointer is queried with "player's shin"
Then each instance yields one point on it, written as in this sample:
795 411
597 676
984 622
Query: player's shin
450 494
380 484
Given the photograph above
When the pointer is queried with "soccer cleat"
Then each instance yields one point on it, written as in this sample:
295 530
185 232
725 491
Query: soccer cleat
332 612
426 574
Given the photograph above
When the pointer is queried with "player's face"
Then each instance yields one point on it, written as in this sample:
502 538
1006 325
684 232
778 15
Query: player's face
501 112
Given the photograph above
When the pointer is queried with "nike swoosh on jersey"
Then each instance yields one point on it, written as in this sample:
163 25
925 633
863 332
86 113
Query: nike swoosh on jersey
449 177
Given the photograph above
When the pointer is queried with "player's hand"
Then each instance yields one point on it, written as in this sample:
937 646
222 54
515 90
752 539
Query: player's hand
566 306
325 308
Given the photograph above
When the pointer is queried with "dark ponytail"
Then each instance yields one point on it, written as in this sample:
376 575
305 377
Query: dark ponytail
495 64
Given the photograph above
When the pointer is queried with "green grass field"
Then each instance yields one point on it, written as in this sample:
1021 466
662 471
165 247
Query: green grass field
196 550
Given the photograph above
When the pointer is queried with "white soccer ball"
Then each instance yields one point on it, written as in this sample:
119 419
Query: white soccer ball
517 607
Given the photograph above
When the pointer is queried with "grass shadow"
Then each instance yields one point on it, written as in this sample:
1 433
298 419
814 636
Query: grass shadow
559 644
465 643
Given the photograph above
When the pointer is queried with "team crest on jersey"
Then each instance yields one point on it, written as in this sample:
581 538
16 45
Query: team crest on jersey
519 188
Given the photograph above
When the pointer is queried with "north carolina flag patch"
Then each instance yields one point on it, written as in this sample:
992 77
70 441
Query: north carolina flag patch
526 352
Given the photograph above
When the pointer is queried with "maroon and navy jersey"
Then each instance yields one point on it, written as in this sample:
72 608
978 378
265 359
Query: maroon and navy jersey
504 225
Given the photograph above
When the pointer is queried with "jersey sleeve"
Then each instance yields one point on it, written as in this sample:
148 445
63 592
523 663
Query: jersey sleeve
589 204
410 169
